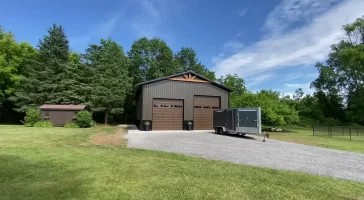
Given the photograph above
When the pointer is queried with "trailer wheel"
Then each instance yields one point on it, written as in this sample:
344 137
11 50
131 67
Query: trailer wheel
216 130
221 131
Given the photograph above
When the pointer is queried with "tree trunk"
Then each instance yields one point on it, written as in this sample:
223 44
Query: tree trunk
106 117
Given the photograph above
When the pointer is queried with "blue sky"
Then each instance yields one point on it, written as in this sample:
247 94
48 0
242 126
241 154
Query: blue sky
271 44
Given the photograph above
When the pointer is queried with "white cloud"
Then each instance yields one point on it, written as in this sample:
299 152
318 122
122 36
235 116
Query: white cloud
106 28
296 85
150 15
147 20
256 80
242 12
305 45
101 30
289 88
292 11
294 76
218 58
234 44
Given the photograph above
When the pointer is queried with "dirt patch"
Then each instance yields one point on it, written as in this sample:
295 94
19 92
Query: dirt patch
108 139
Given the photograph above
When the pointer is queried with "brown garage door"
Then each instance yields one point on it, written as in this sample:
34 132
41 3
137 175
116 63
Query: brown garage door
203 110
167 114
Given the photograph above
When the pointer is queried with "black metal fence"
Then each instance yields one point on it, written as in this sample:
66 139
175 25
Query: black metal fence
347 132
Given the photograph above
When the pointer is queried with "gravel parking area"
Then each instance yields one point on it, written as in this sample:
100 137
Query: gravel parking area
252 151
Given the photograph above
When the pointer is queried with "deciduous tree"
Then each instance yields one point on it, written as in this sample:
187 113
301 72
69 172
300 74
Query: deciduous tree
151 59
342 76
186 59
14 58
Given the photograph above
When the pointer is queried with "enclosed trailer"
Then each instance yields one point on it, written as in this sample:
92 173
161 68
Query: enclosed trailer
238 121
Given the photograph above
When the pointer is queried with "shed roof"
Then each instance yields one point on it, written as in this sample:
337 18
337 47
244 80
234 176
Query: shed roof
179 74
62 107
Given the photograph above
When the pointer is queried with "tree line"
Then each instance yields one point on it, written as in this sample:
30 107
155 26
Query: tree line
104 78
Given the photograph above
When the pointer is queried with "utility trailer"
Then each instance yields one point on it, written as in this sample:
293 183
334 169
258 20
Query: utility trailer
238 121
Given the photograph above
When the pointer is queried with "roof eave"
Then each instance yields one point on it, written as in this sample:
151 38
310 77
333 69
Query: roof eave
164 78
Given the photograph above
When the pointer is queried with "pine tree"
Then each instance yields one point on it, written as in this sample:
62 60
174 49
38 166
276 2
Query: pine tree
111 82
47 73
77 84
54 54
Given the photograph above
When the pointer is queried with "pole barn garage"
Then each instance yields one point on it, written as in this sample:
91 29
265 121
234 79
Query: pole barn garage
179 101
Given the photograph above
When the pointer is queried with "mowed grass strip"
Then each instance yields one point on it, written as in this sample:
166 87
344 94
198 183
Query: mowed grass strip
304 136
60 163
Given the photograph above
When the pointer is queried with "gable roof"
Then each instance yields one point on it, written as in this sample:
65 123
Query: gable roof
180 74
62 107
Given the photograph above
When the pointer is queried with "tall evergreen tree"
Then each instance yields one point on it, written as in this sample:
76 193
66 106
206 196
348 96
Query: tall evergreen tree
111 81
46 74
54 54
77 84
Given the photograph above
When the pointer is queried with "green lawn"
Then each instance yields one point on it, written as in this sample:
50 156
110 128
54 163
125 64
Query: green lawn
304 136
60 163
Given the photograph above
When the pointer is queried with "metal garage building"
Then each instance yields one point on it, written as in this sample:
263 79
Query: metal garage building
171 102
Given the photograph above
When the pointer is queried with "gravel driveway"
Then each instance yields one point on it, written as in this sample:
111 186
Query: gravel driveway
247 150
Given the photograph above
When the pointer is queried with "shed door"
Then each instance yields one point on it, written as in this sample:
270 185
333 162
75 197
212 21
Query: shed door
203 111
60 117
167 114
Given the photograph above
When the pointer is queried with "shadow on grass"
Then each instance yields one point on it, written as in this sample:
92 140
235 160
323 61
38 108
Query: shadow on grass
26 179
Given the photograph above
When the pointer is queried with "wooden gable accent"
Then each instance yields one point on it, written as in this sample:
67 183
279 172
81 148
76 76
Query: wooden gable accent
189 78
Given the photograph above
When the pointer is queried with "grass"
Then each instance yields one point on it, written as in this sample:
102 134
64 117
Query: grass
61 163
304 136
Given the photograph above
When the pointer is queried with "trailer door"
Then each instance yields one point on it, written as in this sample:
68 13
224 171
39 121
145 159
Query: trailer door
248 118
248 121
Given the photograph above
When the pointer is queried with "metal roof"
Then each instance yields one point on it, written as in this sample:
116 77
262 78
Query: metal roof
179 74
62 107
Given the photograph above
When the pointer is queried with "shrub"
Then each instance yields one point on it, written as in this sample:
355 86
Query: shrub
32 116
71 125
84 119
44 124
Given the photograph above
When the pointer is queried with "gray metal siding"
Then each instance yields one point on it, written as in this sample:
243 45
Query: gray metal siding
180 90
139 104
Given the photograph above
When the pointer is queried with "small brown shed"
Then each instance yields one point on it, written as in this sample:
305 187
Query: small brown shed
59 115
